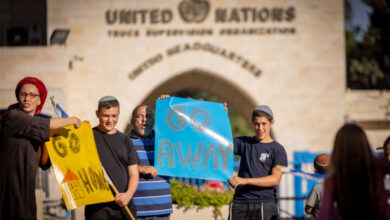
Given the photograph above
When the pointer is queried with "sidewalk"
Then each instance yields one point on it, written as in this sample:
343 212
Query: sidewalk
178 214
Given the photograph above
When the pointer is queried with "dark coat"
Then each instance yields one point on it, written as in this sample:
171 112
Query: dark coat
20 151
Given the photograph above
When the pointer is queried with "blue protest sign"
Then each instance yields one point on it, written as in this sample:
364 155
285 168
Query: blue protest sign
193 139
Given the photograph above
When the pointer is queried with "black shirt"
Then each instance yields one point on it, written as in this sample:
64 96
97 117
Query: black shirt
116 153
257 160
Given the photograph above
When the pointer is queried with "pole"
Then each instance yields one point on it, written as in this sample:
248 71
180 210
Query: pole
108 179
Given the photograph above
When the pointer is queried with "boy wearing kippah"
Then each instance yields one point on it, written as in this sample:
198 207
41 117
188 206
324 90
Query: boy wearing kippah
258 176
314 201
119 159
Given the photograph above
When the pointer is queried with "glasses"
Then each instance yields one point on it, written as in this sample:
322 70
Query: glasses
26 95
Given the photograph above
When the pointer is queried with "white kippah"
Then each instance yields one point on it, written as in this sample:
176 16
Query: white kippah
107 98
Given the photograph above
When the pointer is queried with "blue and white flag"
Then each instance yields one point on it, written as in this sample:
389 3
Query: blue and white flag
58 111
53 111
193 139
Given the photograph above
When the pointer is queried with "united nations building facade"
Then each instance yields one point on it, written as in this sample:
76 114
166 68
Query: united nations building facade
289 55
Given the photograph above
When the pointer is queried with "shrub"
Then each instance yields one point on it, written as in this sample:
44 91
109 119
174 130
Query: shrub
188 196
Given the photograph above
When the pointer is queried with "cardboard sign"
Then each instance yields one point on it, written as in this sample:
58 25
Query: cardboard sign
77 166
193 139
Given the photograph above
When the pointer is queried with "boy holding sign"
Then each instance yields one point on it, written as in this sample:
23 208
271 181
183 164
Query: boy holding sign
258 175
119 159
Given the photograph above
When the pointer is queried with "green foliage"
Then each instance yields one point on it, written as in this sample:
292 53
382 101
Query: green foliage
365 71
239 125
188 196
350 42
199 95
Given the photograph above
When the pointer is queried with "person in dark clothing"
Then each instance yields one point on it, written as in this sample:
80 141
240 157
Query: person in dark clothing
119 159
22 135
258 174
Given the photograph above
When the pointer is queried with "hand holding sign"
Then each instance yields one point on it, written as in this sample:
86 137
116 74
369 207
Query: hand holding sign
193 139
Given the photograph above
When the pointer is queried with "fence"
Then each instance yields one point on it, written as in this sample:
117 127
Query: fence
293 190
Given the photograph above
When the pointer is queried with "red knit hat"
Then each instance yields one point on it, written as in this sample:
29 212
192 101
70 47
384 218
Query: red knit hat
41 89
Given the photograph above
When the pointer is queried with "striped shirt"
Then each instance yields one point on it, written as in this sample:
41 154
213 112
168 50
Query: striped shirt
153 195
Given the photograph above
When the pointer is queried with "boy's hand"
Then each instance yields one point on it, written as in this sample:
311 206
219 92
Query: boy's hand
163 96
122 199
236 181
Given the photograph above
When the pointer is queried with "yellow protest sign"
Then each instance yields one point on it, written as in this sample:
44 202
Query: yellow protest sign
77 166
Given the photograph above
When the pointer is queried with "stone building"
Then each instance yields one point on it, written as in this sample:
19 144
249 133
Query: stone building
289 55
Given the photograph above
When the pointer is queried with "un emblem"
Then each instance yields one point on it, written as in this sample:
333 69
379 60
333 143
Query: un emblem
194 10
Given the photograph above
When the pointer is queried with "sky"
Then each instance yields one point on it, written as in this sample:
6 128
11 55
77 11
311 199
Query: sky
360 18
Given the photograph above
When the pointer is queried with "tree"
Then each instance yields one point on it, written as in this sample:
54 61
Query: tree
368 61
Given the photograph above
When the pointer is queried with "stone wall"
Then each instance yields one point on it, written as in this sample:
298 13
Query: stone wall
287 54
